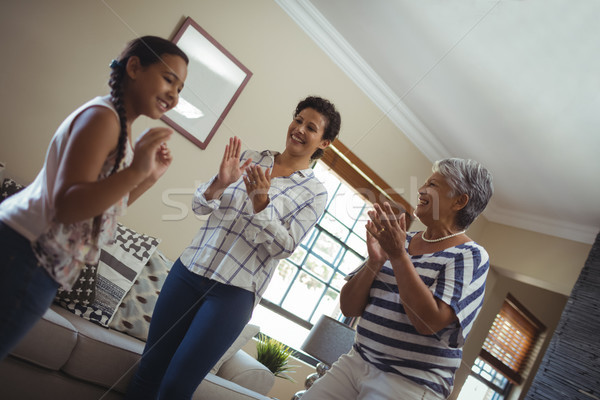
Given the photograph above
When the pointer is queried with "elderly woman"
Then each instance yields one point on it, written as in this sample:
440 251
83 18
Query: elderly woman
417 294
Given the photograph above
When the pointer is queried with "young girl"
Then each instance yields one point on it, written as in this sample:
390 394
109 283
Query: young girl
254 221
49 230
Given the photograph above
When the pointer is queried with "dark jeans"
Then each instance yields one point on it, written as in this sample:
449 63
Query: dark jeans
26 289
194 322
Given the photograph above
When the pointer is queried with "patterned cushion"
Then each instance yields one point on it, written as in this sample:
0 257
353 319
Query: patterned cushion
9 187
84 290
135 312
119 266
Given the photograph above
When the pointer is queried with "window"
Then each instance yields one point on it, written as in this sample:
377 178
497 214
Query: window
308 284
505 353
484 383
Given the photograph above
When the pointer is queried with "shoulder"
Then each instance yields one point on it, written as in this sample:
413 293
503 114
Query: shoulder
96 125
307 181
474 249
99 110
96 116
468 255
100 106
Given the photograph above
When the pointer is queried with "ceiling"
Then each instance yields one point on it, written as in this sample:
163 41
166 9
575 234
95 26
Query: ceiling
514 84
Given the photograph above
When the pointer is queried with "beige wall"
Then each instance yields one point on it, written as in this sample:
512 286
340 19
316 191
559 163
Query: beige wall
547 306
541 260
56 56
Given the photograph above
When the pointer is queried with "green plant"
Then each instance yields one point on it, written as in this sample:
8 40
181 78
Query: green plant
275 356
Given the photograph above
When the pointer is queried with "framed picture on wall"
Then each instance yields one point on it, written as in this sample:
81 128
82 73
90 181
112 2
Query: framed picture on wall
214 82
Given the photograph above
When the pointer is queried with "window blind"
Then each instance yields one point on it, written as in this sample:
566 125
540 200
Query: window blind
511 339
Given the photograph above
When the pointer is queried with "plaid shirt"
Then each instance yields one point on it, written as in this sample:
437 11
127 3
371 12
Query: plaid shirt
241 248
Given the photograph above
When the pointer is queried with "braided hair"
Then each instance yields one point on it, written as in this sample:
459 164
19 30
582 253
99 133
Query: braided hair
116 96
149 50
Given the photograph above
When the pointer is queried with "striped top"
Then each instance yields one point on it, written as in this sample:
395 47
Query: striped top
387 339
238 247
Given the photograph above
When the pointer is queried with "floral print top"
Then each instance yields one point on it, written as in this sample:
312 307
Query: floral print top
63 250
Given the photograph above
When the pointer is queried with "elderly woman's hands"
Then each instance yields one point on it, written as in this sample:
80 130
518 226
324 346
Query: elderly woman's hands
376 254
388 230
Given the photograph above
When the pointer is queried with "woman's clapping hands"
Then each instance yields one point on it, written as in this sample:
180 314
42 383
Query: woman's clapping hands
388 230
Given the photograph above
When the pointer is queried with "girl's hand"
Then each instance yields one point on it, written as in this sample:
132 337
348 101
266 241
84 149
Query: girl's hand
149 157
230 169
257 186
163 161
388 230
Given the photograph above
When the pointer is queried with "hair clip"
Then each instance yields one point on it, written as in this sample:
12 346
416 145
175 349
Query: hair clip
114 64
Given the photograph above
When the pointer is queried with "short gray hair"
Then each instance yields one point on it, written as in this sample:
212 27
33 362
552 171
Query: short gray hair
470 178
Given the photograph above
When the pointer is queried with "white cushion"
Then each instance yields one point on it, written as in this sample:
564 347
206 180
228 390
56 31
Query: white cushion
248 332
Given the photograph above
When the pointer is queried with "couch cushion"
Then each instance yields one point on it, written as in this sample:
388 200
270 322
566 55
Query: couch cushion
20 380
50 342
102 356
8 187
244 370
216 388
83 290
135 312
119 266
247 333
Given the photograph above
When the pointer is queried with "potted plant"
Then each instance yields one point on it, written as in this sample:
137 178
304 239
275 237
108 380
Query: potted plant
274 355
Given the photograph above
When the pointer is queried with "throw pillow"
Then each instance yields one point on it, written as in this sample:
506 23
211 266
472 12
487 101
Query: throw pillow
248 332
119 266
84 290
9 187
135 312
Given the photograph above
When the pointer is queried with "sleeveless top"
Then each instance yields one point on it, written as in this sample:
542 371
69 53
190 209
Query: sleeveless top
63 249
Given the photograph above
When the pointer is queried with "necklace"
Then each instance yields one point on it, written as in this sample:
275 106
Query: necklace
440 239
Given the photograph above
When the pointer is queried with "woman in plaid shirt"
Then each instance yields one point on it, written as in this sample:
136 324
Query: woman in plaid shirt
260 206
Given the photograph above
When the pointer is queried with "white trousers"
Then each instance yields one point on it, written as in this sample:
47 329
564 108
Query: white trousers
352 378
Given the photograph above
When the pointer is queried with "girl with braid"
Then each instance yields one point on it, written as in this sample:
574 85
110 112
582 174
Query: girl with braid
92 172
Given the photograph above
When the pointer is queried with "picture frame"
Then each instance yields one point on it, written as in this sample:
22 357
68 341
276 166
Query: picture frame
214 82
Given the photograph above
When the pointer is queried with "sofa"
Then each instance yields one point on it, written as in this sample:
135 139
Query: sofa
88 344
67 357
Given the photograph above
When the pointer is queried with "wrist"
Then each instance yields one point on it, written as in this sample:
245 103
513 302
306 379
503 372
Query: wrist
214 190
149 181
399 258
219 185
374 265
135 176
260 205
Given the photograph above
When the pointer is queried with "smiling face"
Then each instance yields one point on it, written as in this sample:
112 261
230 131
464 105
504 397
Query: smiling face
435 201
155 88
305 133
